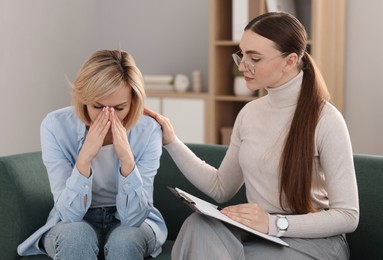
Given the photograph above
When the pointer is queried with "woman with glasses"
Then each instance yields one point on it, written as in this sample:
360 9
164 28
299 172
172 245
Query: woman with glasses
101 156
291 149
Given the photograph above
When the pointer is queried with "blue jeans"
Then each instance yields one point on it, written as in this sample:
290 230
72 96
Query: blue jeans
99 236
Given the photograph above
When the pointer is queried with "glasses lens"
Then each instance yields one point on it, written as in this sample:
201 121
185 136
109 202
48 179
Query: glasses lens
237 59
250 66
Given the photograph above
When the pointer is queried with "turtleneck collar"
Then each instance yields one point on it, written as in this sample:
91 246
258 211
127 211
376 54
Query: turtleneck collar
287 94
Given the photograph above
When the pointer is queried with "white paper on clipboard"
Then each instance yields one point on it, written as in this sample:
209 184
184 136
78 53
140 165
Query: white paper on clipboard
211 210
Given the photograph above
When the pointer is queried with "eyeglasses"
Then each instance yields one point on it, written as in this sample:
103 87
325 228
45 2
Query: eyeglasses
250 64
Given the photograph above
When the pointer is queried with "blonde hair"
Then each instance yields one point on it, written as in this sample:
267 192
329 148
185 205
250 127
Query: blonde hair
102 74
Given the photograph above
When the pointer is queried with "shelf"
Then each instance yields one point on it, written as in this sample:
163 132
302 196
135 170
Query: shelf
226 43
324 23
174 94
236 43
235 98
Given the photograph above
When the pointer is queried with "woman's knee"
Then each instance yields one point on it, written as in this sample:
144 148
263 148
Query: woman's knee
125 237
129 241
198 223
68 238
79 231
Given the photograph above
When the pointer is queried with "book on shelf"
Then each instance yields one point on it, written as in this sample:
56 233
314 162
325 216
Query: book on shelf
158 79
158 82
287 6
159 87
242 12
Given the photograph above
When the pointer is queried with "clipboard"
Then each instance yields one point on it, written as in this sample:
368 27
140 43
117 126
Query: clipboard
190 203
208 209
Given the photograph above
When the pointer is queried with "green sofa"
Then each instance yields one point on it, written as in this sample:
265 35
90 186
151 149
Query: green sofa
25 200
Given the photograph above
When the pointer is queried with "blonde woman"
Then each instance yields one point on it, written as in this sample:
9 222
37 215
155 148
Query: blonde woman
102 155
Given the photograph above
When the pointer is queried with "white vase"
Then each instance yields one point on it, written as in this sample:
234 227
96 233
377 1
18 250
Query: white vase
240 87
181 83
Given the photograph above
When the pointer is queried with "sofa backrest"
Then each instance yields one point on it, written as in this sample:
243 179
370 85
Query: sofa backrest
24 198
173 209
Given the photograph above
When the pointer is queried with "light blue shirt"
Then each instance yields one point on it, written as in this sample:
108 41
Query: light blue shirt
62 136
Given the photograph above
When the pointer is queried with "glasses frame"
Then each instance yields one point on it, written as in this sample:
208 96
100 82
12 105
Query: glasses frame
249 63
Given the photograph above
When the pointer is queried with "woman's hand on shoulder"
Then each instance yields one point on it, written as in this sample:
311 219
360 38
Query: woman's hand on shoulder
249 214
168 134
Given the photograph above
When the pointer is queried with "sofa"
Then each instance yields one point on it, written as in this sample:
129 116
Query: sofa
25 200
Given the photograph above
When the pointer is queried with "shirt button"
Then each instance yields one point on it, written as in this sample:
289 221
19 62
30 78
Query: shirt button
86 186
126 185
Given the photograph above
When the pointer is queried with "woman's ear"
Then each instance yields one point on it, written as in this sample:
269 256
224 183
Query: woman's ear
291 61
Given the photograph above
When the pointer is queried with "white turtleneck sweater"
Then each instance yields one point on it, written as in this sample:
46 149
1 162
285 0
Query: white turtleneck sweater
253 158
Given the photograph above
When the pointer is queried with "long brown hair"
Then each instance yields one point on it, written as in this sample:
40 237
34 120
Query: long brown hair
297 158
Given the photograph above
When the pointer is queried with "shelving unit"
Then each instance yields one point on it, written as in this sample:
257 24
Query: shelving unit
325 23
189 112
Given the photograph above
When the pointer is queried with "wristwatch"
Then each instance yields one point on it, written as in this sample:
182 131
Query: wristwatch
282 225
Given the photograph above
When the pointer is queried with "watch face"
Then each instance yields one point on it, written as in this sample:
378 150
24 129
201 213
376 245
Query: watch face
282 223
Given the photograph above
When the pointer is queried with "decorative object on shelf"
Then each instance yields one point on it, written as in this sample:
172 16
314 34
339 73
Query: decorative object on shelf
239 84
197 81
181 83
240 87
242 12
240 18
287 6
159 82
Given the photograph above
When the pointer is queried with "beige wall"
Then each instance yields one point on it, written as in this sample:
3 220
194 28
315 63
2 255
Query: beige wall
364 75
43 43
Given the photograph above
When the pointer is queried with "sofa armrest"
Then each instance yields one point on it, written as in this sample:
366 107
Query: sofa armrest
366 241
25 200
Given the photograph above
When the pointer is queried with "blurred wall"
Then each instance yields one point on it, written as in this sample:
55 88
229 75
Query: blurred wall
43 44
364 75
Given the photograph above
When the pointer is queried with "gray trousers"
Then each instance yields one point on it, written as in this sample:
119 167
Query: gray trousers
203 237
